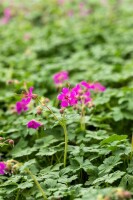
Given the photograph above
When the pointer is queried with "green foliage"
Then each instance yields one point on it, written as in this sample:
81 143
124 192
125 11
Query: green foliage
94 48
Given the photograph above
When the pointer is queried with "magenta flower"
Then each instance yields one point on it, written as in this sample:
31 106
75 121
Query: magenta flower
33 124
7 12
29 95
82 92
93 86
22 105
60 77
86 98
86 85
67 97
77 89
7 16
2 168
98 87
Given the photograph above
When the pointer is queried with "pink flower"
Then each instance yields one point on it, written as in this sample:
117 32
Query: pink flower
33 124
60 77
22 105
7 16
86 85
2 168
98 87
93 86
29 95
77 89
7 13
85 98
81 5
82 92
67 97
70 13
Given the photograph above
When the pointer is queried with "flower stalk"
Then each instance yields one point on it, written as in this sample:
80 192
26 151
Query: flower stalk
83 117
66 142
37 184
132 146
63 124
17 195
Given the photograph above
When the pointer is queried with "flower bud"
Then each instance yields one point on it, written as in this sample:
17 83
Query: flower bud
59 86
44 101
62 110
15 168
34 96
12 109
82 97
39 110
76 107
9 82
123 194
1 138
90 104
11 142
78 97
81 92
8 165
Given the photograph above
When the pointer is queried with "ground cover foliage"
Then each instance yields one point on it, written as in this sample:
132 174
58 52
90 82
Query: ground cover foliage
40 39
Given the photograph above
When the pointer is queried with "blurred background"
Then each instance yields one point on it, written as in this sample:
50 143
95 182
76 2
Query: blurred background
91 39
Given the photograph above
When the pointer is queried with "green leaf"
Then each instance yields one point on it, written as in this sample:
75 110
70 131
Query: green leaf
113 138
109 178
109 164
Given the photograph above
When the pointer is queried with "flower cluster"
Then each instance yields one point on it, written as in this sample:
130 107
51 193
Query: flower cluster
67 97
78 95
2 168
60 77
81 93
8 141
9 167
23 104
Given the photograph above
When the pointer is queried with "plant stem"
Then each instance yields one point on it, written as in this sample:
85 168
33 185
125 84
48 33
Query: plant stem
56 118
83 118
37 184
132 146
57 101
17 195
66 143
63 124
